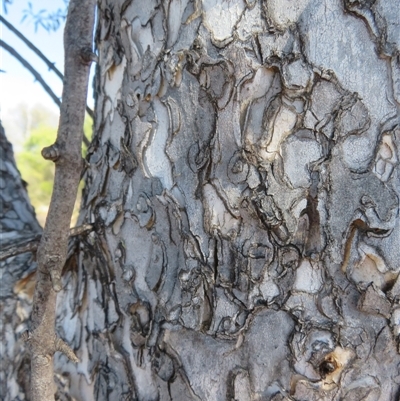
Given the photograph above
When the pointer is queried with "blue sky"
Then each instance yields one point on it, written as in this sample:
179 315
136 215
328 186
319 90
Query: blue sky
17 85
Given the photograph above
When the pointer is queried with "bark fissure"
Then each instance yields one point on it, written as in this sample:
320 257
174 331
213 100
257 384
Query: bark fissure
261 206
243 183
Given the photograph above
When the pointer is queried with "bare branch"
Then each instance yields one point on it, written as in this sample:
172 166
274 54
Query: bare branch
57 344
28 66
63 347
32 47
39 78
49 64
79 230
31 244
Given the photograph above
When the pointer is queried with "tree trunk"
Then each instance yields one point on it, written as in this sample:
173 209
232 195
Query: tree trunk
244 184
18 223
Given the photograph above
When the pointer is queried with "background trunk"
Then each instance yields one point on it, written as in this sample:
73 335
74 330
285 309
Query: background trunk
244 185
18 223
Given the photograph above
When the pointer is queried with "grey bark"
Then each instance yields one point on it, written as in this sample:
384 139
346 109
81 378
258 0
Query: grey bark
244 181
18 221
32 243
244 186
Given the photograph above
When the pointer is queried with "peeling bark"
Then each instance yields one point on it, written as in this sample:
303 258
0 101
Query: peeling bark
18 221
244 187
244 182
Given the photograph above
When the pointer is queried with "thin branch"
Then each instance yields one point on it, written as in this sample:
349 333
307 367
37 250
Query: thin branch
79 230
53 247
32 47
41 55
31 244
63 347
38 77
56 342
85 140
90 112
27 65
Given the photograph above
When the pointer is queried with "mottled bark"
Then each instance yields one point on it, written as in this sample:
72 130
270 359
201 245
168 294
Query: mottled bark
31 243
17 222
244 187
244 183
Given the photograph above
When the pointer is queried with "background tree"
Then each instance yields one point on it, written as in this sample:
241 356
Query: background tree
18 223
37 172
243 184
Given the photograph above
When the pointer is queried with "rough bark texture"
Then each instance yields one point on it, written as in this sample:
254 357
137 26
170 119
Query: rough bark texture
244 181
17 222
244 185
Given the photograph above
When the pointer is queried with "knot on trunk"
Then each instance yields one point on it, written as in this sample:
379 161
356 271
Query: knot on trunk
88 56
56 280
51 153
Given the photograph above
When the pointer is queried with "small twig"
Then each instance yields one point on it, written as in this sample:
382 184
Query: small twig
85 140
31 244
79 230
43 57
27 65
63 347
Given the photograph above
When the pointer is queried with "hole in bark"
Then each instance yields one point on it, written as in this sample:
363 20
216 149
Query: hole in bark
327 366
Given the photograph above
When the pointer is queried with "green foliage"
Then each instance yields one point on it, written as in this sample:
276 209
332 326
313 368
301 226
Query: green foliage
38 172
